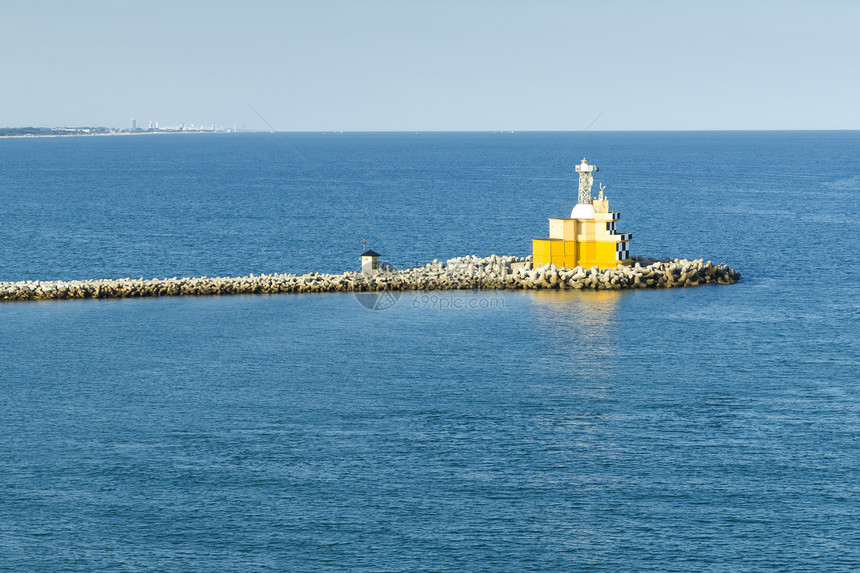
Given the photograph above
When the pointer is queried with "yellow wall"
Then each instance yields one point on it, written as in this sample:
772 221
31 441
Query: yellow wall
578 242
599 254
570 254
540 252
563 229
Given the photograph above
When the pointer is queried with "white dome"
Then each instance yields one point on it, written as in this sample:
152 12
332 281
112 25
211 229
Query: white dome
583 211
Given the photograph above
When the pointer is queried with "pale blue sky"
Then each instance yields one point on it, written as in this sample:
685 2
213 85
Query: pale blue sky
441 65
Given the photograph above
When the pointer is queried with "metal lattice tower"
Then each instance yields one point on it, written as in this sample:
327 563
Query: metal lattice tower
586 180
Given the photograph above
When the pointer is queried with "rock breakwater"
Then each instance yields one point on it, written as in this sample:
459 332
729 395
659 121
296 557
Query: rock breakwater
470 272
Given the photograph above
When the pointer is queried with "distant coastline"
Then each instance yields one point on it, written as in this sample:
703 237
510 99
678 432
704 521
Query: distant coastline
7 132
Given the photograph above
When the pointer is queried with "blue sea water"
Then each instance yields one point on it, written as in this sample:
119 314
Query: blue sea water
713 428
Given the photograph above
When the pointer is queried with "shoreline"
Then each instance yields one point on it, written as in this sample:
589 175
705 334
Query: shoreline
118 133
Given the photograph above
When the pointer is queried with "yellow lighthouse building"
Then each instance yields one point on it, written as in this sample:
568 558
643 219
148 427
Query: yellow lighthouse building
587 238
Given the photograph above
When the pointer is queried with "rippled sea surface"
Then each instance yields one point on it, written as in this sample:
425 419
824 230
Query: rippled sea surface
713 428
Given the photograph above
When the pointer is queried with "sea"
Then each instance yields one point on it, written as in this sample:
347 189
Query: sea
714 428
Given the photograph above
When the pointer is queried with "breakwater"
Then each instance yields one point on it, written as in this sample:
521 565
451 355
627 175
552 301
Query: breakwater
470 272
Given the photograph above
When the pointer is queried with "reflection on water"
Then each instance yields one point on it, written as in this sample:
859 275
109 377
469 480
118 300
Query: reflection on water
582 325
597 307
575 362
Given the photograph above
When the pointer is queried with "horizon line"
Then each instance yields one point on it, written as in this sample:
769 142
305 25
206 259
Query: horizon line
338 131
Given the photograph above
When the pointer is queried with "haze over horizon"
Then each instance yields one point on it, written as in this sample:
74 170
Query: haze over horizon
442 66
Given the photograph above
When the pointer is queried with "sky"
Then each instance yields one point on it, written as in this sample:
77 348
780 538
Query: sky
385 65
